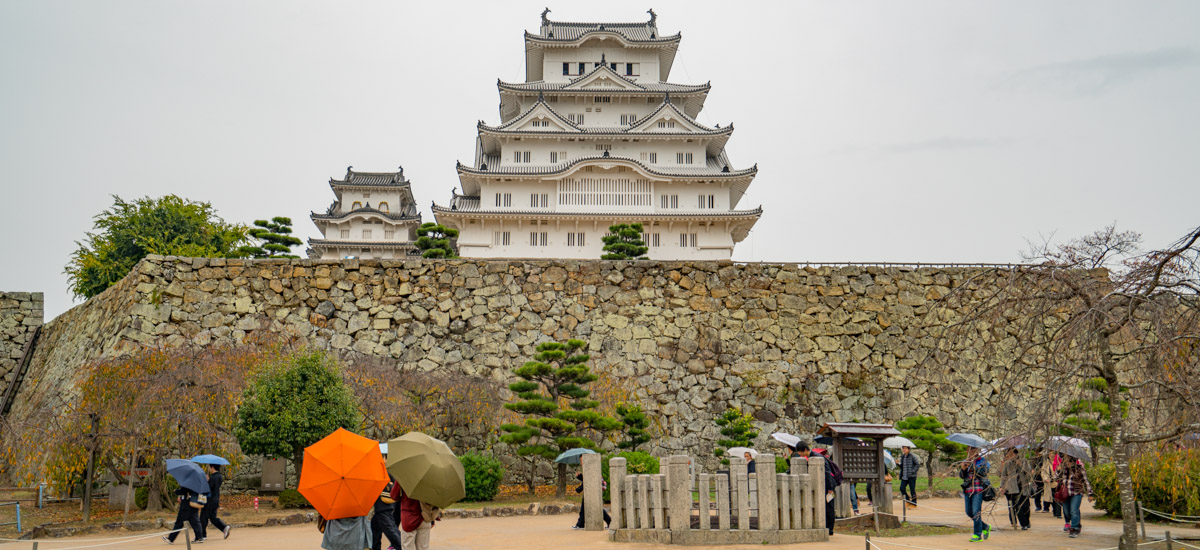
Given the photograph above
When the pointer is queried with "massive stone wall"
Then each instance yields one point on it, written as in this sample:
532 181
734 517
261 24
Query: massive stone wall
20 315
795 345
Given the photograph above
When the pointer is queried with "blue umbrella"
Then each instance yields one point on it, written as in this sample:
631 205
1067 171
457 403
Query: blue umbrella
188 474
210 459
970 440
571 456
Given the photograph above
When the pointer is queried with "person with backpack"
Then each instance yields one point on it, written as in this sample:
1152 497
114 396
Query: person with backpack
416 521
974 473
209 513
833 478
383 523
190 503
909 467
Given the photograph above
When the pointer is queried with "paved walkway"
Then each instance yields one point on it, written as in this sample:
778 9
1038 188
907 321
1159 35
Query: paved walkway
537 532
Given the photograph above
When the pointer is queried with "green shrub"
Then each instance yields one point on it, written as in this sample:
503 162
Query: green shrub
1165 482
781 465
483 475
636 463
291 498
141 495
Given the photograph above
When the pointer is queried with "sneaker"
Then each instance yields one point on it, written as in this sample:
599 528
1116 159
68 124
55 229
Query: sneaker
576 527
168 540
987 530
1066 527
1024 527
1073 534
197 541
226 530
975 538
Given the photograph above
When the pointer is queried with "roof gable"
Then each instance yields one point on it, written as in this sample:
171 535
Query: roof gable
672 120
541 113
602 77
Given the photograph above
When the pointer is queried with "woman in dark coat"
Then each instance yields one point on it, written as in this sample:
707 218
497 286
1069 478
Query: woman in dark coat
185 516
209 513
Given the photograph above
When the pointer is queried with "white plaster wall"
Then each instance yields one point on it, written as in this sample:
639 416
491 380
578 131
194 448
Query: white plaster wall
624 147
392 197
477 240
613 53
688 195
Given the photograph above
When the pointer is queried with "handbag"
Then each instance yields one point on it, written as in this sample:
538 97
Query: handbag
1060 493
989 493
197 501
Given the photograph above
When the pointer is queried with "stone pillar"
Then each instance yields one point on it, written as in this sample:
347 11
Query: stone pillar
616 486
679 506
816 468
643 502
785 501
723 502
702 493
631 500
806 501
841 503
593 496
797 502
768 503
737 465
743 500
656 500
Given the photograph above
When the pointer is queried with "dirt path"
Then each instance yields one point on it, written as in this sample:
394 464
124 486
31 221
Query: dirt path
537 532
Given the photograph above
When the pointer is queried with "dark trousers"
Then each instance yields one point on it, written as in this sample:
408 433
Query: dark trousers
1057 508
207 515
186 516
384 524
579 523
1018 509
1037 495
830 518
911 486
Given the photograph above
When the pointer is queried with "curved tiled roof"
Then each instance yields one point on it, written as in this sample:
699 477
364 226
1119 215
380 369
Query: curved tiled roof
565 31
652 87
540 101
370 179
616 130
709 171
462 207
398 216
381 244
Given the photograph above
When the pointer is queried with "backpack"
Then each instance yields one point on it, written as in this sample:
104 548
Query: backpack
837 473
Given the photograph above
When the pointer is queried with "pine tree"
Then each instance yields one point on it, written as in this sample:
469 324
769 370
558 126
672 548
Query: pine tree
557 373
635 422
1092 414
929 435
434 240
275 236
738 430
624 242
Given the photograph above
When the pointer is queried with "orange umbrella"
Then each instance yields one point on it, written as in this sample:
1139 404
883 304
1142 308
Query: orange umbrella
342 475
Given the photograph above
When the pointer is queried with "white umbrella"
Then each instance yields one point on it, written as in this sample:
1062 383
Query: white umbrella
889 462
786 438
895 442
1064 440
741 451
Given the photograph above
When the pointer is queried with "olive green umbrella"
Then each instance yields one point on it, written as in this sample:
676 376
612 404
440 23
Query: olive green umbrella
427 469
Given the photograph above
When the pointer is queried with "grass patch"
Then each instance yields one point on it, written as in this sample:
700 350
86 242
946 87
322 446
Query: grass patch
519 501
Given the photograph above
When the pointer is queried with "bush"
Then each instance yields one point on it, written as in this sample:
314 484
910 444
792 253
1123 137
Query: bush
781 465
141 495
636 462
1165 482
483 475
291 498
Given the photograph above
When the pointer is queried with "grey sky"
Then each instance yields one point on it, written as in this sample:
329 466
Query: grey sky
883 131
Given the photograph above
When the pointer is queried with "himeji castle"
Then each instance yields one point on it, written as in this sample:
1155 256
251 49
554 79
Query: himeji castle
373 216
595 136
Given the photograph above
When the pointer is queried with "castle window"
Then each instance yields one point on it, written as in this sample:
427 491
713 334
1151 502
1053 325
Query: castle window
575 239
501 238
523 157
652 240
601 99
687 240
631 69
389 234
504 199
683 158
566 68
666 124
366 233
383 205
538 238
652 158
604 147
708 201
668 201
356 205
345 233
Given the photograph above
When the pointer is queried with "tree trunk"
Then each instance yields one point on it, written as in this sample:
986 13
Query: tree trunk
129 495
154 496
298 463
531 481
93 444
1129 537
929 473
560 491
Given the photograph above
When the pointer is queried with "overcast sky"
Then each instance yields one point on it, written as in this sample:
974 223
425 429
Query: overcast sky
884 131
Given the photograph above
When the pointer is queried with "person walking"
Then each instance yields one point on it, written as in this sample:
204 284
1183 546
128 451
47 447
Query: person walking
831 482
1014 481
909 466
1049 477
1072 474
187 515
383 523
346 534
974 473
750 467
1039 485
416 521
579 524
209 513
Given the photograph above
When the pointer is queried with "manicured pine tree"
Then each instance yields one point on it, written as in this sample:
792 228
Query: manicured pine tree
276 239
738 430
434 240
624 242
635 422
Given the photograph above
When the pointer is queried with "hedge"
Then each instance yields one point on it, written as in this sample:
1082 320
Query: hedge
291 498
483 475
1168 482
636 462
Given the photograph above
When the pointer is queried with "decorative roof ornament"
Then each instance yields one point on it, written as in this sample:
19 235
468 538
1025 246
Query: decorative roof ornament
667 97
541 98
725 169
483 166
349 174
545 20
601 27
602 61
606 155
653 17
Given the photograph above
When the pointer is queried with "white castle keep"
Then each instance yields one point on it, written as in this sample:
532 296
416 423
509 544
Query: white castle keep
596 136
